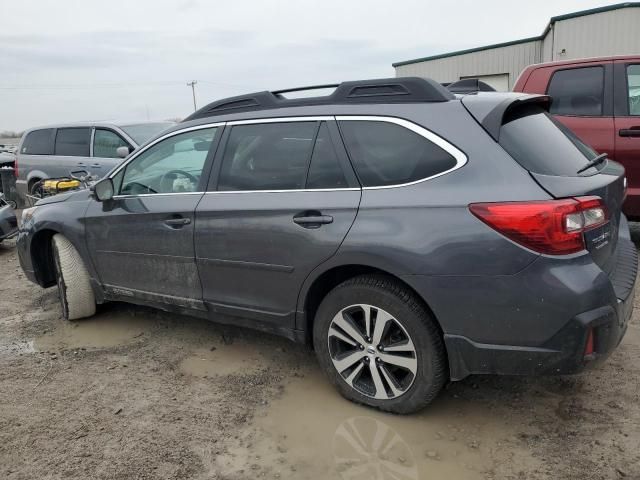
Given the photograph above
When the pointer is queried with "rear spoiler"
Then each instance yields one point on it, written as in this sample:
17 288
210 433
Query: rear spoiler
491 110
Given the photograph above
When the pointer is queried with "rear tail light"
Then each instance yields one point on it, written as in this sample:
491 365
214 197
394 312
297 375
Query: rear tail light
553 227
15 167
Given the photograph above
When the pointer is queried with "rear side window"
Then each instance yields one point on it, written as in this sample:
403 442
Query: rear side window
578 91
39 142
73 142
384 153
325 170
543 145
106 143
267 156
633 82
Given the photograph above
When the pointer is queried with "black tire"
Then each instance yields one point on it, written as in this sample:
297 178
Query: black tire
36 190
74 287
389 296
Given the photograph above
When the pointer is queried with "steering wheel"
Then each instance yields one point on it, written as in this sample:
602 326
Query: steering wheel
171 175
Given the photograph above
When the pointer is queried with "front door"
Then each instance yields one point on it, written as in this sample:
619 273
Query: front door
285 199
142 240
105 151
627 131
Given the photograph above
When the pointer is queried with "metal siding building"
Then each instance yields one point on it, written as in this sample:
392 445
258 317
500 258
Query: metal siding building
605 31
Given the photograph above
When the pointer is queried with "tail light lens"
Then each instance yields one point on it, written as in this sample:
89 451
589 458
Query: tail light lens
15 167
553 227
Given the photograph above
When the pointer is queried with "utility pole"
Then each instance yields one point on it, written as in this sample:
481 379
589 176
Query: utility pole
192 84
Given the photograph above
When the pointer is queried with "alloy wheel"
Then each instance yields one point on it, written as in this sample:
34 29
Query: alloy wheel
372 351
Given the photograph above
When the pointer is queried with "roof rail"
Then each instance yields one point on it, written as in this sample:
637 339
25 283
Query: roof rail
381 90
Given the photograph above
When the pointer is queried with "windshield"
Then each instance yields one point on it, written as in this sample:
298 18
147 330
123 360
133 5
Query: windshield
543 145
142 132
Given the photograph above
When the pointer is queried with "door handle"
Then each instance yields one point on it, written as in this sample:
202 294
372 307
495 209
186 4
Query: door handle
177 222
96 165
312 219
629 132
81 164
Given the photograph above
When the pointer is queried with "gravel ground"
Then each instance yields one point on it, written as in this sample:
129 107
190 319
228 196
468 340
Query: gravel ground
138 393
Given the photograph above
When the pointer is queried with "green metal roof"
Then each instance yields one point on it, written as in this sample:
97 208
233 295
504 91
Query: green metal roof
553 20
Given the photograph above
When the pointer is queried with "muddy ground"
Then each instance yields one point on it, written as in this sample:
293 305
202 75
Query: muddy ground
136 393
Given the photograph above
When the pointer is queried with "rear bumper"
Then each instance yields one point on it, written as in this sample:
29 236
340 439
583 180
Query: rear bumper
562 354
537 321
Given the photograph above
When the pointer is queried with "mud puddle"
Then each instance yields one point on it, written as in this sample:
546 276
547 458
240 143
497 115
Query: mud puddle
312 432
104 330
224 359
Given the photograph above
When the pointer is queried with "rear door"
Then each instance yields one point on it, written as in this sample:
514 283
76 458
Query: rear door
281 202
141 242
72 150
105 151
627 129
583 101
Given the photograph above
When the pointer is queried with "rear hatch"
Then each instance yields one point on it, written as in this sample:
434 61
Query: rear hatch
556 158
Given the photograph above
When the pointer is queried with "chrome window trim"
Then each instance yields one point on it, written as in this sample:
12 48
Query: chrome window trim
121 197
158 140
460 157
293 190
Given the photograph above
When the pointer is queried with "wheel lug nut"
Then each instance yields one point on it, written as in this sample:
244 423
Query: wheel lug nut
378 359
380 347
366 359
361 347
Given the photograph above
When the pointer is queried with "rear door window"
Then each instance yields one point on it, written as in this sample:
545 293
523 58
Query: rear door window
106 143
543 145
633 83
267 156
577 91
39 142
384 153
73 142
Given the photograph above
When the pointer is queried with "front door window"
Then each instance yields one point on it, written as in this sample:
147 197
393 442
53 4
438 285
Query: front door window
173 165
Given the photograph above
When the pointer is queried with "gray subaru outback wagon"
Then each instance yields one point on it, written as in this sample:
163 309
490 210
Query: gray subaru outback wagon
411 236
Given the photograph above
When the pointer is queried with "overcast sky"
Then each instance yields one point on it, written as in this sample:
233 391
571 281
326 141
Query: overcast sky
72 60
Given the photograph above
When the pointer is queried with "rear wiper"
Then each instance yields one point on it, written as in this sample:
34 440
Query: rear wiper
593 162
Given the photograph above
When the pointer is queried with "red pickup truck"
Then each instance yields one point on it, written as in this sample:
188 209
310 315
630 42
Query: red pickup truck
599 99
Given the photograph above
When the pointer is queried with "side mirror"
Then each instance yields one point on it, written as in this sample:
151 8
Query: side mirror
123 152
103 190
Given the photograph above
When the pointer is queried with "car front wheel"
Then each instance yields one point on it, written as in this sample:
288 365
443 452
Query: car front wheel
379 345
74 287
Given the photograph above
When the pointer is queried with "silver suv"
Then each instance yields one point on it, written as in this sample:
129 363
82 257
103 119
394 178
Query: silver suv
57 150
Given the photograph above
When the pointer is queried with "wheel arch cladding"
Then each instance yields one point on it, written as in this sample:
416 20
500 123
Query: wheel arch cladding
331 278
41 252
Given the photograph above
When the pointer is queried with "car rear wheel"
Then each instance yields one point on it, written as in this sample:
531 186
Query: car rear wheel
379 345
74 287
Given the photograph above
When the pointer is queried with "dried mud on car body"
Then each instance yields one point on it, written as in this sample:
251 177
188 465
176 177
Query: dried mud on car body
137 393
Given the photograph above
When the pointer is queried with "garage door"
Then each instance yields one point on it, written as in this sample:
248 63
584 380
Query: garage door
499 81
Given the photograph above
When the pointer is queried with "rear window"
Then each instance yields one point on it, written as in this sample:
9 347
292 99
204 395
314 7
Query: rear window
39 142
543 145
384 153
73 142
